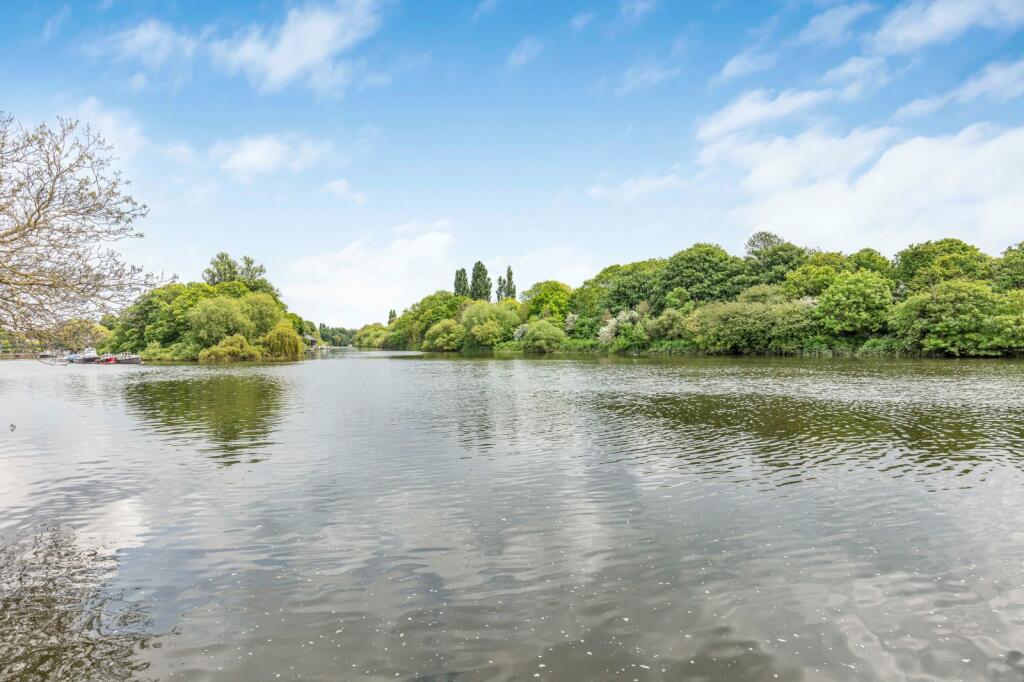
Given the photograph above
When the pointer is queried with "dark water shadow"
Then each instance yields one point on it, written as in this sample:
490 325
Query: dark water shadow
59 620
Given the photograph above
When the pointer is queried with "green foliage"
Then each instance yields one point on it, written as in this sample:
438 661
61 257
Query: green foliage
263 310
856 303
547 299
736 327
706 271
763 293
920 266
480 284
223 268
234 348
408 330
282 343
461 283
446 335
510 285
543 336
810 279
616 288
1008 271
213 319
770 258
953 318
869 259
489 323
370 336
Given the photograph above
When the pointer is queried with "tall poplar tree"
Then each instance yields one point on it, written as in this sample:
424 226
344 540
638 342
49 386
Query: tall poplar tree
461 282
510 286
480 285
499 290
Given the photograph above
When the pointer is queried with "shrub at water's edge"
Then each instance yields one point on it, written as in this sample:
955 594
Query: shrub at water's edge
937 298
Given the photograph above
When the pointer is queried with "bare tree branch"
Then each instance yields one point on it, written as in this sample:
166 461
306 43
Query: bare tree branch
62 206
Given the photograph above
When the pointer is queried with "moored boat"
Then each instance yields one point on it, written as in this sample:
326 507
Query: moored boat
129 360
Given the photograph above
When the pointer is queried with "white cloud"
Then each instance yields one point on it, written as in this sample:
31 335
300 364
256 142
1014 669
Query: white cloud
635 10
782 163
524 52
631 189
485 7
362 280
645 76
858 75
919 23
1000 81
305 48
54 23
117 126
153 43
746 62
181 152
580 21
832 26
344 191
884 192
759 106
248 157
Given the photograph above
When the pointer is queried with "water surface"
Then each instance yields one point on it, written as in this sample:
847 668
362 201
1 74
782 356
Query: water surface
374 516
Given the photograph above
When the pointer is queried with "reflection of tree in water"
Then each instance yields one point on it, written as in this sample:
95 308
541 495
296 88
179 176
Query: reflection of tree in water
234 413
787 431
57 622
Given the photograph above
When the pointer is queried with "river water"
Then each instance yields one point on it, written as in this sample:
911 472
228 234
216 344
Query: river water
375 516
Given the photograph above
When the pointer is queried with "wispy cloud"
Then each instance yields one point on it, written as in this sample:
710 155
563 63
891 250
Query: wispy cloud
745 63
760 106
153 43
999 81
307 47
119 127
580 21
631 189
645 76
248 157
524 52
485 7
858 75
633 11
919 23
54 23
341 189
834 26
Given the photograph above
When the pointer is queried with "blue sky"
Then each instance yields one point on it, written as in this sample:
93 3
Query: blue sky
364 149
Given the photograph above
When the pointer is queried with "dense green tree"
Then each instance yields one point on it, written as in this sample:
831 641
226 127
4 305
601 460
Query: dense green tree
263 310
952 318
856 303
809 279
489 323
461 283
223 268
543 336
769 258
370 336
920 266
1008 271
446 335
408 330
392 316
480 284
869 259
547 299
282 343
499 289
706 271
213 319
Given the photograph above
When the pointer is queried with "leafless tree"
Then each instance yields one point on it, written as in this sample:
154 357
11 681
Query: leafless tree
62 205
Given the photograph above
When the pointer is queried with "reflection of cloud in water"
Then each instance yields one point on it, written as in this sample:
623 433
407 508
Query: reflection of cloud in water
233 414
57 619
